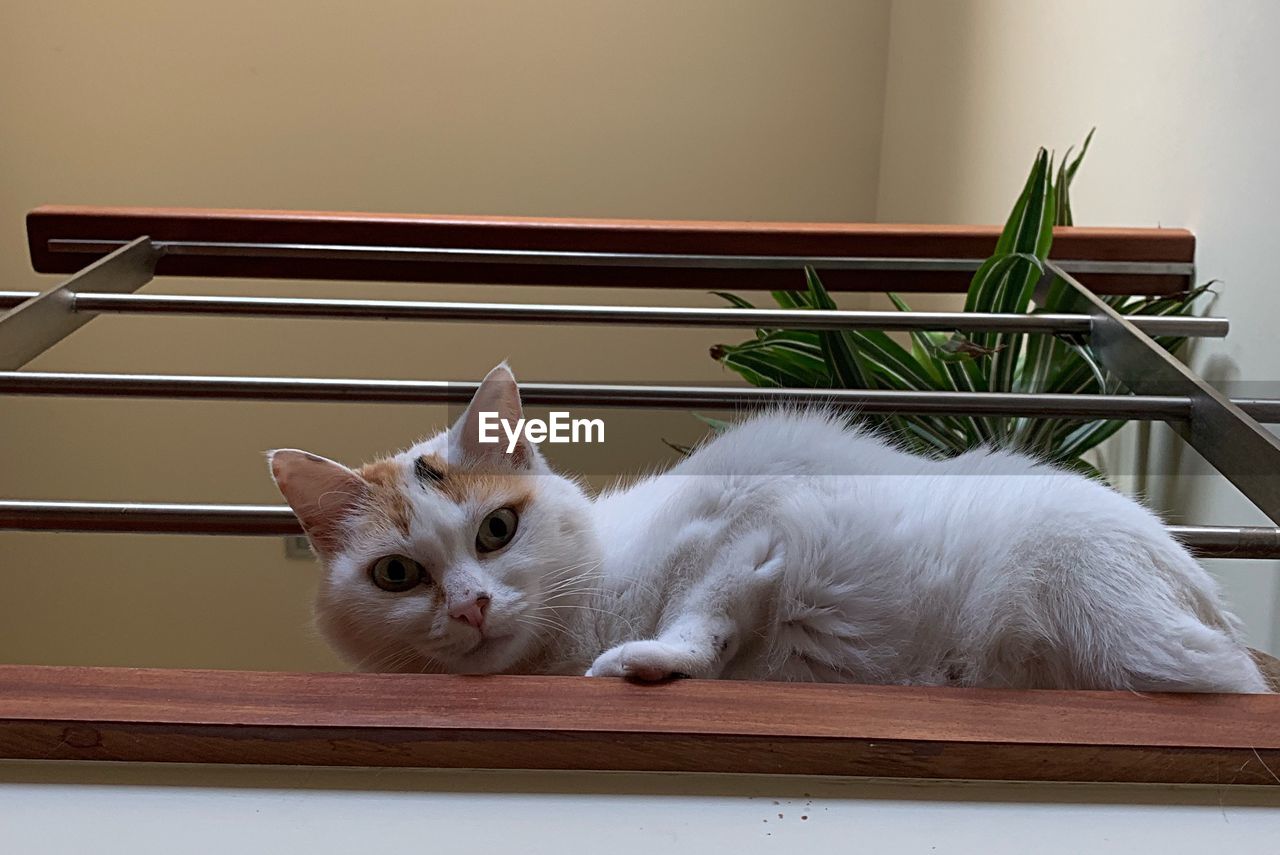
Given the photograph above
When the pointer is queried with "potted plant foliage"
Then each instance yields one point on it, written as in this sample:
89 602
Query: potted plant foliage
980 362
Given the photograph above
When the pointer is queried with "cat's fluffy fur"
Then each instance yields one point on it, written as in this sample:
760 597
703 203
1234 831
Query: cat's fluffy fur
791 547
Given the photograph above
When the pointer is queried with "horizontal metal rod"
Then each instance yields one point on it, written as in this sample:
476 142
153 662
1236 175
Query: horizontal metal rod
339 252
317 389
415 310
278 520
1223 541
145 518
1165 408
1265 410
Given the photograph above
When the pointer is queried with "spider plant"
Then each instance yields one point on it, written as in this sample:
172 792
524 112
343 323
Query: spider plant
980 362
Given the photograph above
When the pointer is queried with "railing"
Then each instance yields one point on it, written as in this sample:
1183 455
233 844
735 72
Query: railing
503 722
614 253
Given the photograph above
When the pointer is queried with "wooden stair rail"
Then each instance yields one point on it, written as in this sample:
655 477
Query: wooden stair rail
153 715
1171 248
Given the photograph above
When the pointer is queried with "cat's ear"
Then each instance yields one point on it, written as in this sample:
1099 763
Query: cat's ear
496 402
322 493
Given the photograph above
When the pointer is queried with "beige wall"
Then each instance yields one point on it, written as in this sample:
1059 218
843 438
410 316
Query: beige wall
1183 93
904 111
141 809
733 109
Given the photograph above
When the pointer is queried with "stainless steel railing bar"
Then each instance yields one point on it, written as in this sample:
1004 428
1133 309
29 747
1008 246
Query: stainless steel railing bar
676 316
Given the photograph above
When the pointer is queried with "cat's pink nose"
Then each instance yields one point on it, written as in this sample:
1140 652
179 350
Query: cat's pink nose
472 612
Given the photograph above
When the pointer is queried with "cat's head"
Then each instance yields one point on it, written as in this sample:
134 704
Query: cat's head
455 555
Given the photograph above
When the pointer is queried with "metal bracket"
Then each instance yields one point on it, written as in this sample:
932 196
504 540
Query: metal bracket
41 322
1233 442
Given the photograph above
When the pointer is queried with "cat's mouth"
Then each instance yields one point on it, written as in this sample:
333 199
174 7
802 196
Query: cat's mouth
474 648
484 638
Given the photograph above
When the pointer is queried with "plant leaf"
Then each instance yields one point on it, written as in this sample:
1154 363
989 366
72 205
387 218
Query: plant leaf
1075 164
682 450
717 425
734 299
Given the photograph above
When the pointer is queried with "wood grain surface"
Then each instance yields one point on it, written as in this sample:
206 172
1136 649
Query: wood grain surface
586 235
444 721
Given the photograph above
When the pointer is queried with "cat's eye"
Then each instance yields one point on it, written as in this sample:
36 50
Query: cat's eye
396 573
496 530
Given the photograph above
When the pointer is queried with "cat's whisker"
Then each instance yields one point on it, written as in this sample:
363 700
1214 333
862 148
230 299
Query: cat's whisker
577 578
570 590
576 592
569 568
544 621
392 661
542 630
544 634
540 614
595 610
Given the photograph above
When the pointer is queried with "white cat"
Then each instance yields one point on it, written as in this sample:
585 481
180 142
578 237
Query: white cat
791 547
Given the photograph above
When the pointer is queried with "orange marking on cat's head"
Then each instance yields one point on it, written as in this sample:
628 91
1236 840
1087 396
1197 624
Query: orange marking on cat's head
387 491
500 489
496 489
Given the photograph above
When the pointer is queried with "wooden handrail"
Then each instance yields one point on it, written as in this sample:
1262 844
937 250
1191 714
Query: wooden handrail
76 713
586 235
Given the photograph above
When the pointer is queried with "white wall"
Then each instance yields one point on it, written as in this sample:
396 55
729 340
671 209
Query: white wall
1184 95
141 810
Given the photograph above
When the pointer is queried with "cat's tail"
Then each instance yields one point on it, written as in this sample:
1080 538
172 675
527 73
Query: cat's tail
1269 666
1190 580
1203 648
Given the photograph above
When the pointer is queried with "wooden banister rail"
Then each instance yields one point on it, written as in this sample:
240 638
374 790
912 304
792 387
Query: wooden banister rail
75 713
53 231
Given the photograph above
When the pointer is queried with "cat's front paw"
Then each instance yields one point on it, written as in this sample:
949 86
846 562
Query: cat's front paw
643 660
